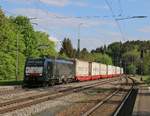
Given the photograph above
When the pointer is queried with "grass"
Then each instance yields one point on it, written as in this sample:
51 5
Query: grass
10 82
146 79
98 90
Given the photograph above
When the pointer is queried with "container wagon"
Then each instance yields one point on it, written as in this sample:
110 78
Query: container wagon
121 71
95 70
103 70
114 71
109 71
82 70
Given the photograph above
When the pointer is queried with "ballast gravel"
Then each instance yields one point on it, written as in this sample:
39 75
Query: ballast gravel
52 107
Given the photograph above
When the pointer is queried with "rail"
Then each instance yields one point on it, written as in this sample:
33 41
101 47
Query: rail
32 100
126 106
98 105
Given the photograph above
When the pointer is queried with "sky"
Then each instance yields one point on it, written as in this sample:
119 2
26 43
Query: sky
96 19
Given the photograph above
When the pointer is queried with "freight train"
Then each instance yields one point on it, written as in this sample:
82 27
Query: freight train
48 71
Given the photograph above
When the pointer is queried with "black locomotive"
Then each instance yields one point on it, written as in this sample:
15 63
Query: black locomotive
48 71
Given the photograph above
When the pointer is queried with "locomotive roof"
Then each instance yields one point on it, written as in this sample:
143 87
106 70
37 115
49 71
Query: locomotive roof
60 61
52 59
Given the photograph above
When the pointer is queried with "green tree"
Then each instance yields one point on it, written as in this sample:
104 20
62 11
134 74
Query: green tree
95 57
131 69
146 64
20 28
7 66
8 39
131 56
44 47
102 58
67 48
25 27
114 50
85 55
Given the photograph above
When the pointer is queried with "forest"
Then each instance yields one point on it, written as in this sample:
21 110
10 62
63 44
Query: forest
19 41
133 56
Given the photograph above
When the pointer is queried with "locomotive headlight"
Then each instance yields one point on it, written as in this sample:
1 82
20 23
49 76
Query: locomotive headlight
27 74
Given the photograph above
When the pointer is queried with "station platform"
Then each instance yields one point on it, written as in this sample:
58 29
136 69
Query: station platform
142 103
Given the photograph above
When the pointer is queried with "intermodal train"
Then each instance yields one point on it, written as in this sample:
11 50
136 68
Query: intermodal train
48 71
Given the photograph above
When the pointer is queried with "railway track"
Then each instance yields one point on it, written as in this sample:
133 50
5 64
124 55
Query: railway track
130 94
18 90
10 91
20 103
99 105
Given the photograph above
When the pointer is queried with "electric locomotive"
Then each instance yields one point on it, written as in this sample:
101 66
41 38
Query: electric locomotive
48 71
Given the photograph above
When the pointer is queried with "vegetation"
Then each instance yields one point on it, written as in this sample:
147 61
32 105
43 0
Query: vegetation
67 48
70 52
29 45
133 56
10 82
146 79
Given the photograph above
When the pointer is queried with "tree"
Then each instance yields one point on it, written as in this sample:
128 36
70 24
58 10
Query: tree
95 57
102 58
131 56
8 38
125 54
7 66
20 28
25 27
131 69
85 55
102 50
146 64
44 47
67 48
114 50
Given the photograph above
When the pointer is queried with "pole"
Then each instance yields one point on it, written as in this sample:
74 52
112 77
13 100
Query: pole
78 51
78 47
17 51
17 58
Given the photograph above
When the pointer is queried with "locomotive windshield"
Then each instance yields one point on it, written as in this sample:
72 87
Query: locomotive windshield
35 62
34 67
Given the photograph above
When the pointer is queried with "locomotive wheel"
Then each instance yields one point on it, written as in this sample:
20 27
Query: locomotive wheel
23 86
45 84
52 83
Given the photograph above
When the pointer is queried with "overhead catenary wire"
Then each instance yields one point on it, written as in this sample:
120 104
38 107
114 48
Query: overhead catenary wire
117 23
120 7
119 27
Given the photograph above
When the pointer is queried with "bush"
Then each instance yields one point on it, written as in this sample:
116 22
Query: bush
147 80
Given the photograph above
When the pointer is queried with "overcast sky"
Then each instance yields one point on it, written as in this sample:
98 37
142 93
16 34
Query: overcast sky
61 18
